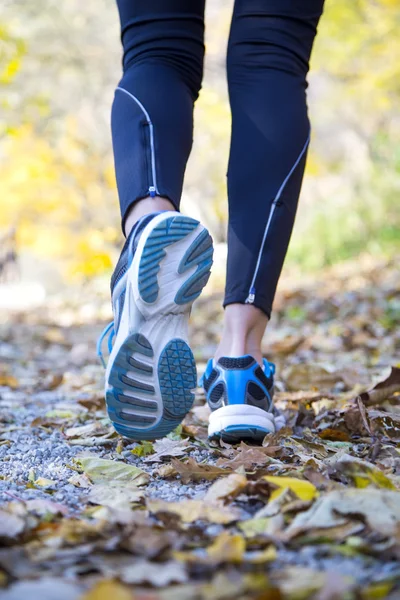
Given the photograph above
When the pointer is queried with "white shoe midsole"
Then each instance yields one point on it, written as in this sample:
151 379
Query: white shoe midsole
240 415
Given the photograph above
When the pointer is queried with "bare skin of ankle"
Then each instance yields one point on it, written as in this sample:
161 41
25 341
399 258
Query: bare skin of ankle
144 207
243 330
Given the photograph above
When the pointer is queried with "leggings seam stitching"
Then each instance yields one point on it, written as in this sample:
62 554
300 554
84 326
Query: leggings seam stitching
251 295
153 189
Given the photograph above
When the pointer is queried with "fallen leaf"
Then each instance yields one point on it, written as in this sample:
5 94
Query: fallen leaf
299 583
377 591
387 424
192 510
384 389
51 381
335 587
46 588
100 470
80 480
143 448
226 488
227 548
43 507
90 429
303 376
167 447
379 508
248 457
114 494
165 471
10 525
301 488
258 558
60 414
107 590
156 574
362 473
255 527
150 541
8 381
194 471
45 483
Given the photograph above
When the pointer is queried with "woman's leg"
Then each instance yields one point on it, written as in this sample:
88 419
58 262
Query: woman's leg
268 54
166 260
152 114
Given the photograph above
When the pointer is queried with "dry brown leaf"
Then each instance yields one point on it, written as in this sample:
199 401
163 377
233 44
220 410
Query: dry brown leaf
194 471
380 509
387 424
166 448
114 494
226 488
150 542
165 471
248 457
308 375
90 429
384 389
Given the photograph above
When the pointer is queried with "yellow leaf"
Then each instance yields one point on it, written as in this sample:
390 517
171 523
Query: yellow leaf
303 489
375 591
192 510
227 548
267 555
107 589
8 381
364 475
254 527
43 482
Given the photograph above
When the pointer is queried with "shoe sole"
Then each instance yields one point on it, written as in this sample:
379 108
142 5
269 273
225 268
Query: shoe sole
240 422
151 376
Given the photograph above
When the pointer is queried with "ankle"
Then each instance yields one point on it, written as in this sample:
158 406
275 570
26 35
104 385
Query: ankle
243 331
144 207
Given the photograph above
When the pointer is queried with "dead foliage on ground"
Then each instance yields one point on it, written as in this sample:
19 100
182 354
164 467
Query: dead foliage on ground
312 513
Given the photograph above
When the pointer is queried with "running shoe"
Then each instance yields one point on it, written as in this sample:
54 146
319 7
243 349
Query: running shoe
239 393
151 373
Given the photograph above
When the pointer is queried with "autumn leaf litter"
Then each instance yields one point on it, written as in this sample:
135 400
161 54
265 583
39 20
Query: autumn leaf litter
313 513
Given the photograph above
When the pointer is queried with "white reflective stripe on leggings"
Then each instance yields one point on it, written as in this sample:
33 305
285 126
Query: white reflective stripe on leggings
153 188
252 292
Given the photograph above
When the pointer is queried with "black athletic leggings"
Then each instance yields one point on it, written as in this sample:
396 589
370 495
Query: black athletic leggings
152 121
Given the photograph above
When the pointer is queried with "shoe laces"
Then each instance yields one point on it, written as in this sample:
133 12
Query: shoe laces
110 330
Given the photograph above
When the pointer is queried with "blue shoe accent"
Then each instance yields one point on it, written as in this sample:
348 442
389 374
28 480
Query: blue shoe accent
234 434
239 381
177 379
200 253
166 233
177 376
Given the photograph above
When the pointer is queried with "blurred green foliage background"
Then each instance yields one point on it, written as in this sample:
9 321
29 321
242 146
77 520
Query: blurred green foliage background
59 65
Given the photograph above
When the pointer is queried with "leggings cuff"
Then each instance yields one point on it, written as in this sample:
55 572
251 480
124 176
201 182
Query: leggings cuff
141 196
241 299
